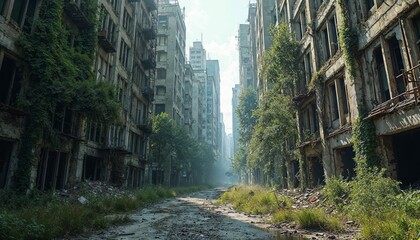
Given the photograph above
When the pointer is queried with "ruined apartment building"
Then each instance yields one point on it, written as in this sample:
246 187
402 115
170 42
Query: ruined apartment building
125 58
387 70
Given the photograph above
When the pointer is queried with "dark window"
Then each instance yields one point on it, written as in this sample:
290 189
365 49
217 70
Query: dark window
18 11
2 4
326 44
5 153
343 96
397 63
334 35
334 104
10 80
161 73
160 90
369 6
159 108
314 118
382 77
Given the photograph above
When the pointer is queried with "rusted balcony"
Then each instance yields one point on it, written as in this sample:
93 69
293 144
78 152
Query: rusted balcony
117 148
148 62
149 33
150 5
75 13
105 42
146 128
409 93
148 93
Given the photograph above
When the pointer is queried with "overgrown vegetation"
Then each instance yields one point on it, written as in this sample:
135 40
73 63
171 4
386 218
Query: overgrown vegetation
259 200
48 216
268 129
254 199
60 78
378 204
174 150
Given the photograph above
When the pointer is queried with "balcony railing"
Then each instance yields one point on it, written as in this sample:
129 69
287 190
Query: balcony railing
148 93
149 62
151 5
150 33
411 81
105 42
145 127
75 13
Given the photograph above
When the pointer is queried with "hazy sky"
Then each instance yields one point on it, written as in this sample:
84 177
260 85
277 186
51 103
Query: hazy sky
218 21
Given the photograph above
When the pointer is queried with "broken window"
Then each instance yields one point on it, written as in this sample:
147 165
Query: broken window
343 95
92 168
63 120
5 154
333 102
127 21
381 75
405 146
52 170
134 176
317 171
397 63
18 11
10 80
332 24
368 6
308 68
163 21
346 162
326 44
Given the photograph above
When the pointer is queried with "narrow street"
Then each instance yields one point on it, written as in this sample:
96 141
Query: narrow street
193 216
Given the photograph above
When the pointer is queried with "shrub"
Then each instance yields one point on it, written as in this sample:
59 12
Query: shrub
317 219
373 194
337 192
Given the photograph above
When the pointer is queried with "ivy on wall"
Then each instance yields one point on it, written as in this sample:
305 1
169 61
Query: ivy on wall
60 74
364 135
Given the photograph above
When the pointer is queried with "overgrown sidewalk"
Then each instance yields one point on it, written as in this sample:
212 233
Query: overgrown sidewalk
48 216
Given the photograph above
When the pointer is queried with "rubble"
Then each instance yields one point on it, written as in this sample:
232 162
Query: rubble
83 190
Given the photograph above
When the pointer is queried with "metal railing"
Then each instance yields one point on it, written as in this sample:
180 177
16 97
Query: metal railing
411 81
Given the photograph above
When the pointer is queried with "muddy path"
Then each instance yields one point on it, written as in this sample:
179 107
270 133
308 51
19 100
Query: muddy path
193 216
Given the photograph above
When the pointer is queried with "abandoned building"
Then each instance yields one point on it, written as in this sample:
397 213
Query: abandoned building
386 82
125 57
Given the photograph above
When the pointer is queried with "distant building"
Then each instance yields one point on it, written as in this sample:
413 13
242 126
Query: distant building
213 104
199 66
246 75
236 91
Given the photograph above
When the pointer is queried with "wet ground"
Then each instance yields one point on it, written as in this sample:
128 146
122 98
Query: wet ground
193 216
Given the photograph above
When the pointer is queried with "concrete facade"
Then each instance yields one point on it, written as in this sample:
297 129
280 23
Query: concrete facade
124 58
386 83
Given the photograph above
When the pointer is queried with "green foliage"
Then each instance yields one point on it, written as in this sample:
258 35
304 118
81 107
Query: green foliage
337 191
348 39
248 103
364 144
48 217
275 126
168 140
281 65
254 199
373 194
317 219
60 75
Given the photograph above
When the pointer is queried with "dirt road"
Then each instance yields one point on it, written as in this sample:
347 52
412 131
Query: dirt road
193 216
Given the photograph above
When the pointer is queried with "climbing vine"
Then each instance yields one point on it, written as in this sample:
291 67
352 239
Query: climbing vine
364 136
348 39
59 75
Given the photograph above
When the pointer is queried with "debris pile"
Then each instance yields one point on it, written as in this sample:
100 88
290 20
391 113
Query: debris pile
82 190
